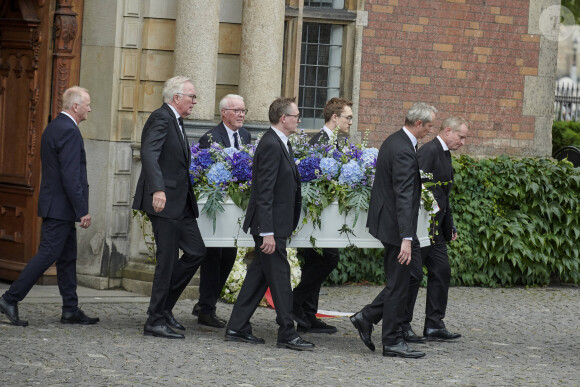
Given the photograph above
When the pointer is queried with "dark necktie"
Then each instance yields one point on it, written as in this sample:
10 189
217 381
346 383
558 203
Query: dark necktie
181 127
290 152
448 155
236 143
416 147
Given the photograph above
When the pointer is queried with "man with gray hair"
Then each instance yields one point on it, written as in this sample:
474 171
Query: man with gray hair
435 158
63 200
216 268
392 219
165 193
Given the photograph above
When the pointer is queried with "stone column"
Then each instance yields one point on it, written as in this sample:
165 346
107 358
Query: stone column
196 50
261 55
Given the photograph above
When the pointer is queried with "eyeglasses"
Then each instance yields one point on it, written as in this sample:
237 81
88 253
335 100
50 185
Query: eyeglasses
239 111
294 115
347 117
192 96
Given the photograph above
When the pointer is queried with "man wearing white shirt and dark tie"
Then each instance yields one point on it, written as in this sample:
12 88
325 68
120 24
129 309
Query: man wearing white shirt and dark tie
337 116
220 260
272 215
392 219
435 158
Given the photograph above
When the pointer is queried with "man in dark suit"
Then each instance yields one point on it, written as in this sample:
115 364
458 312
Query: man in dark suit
435 157
216 268
272 216
392 219
165 193
63 200
337 114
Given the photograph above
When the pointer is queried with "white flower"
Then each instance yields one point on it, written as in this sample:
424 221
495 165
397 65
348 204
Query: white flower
238 273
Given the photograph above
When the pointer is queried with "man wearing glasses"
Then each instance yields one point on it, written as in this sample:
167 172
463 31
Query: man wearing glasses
220 260
337 116
165 193
272 216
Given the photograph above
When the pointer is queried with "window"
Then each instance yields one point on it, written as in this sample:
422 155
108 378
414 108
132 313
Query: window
320 66
318 56
336 4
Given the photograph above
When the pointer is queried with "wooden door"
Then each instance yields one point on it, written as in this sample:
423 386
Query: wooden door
39 59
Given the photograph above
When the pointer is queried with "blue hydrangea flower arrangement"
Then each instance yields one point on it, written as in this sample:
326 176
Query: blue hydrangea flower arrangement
338 171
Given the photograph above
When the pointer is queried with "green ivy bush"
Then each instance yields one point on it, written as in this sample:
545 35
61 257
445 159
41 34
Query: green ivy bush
358 266
518 223
565 133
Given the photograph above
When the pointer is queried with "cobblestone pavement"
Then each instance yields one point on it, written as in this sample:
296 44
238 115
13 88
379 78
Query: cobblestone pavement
511 337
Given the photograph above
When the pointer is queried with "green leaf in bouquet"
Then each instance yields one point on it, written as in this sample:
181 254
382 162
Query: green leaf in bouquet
213 204
241 198
357 199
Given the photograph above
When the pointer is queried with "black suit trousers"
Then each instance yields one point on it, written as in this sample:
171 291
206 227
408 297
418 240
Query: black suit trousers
390 303
58 244
266 270
214 273
415 278
314 271
435 258
172 274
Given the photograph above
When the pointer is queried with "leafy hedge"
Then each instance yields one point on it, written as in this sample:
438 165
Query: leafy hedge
565 133
518 222
358 265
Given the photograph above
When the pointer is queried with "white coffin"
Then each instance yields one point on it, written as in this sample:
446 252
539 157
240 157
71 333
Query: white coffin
229 228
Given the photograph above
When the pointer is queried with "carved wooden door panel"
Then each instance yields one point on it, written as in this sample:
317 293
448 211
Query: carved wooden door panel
30 52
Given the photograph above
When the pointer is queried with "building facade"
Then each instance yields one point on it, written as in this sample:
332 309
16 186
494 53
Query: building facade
487 60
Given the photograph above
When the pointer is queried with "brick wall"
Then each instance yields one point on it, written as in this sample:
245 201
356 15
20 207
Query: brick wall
465 57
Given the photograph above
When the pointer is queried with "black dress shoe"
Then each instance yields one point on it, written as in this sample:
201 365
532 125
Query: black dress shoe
401 349
11 311
411 337
297 344
211 320
78 317
243 337
365 329
161 331
440 334
316 326
196 310
172 322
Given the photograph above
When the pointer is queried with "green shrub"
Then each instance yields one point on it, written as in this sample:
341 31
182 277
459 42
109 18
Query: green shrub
565 133
358 265
518 222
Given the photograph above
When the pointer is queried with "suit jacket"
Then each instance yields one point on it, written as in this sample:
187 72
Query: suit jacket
319 138
432 159
219 134
276 197
394 204
64 190
165 159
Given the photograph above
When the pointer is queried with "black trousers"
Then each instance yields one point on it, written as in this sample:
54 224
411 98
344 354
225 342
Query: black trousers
58 243
435 258
266 270
214 273
389 304
172 274
314 271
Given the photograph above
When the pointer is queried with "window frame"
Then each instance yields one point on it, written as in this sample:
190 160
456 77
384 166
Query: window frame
296 15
